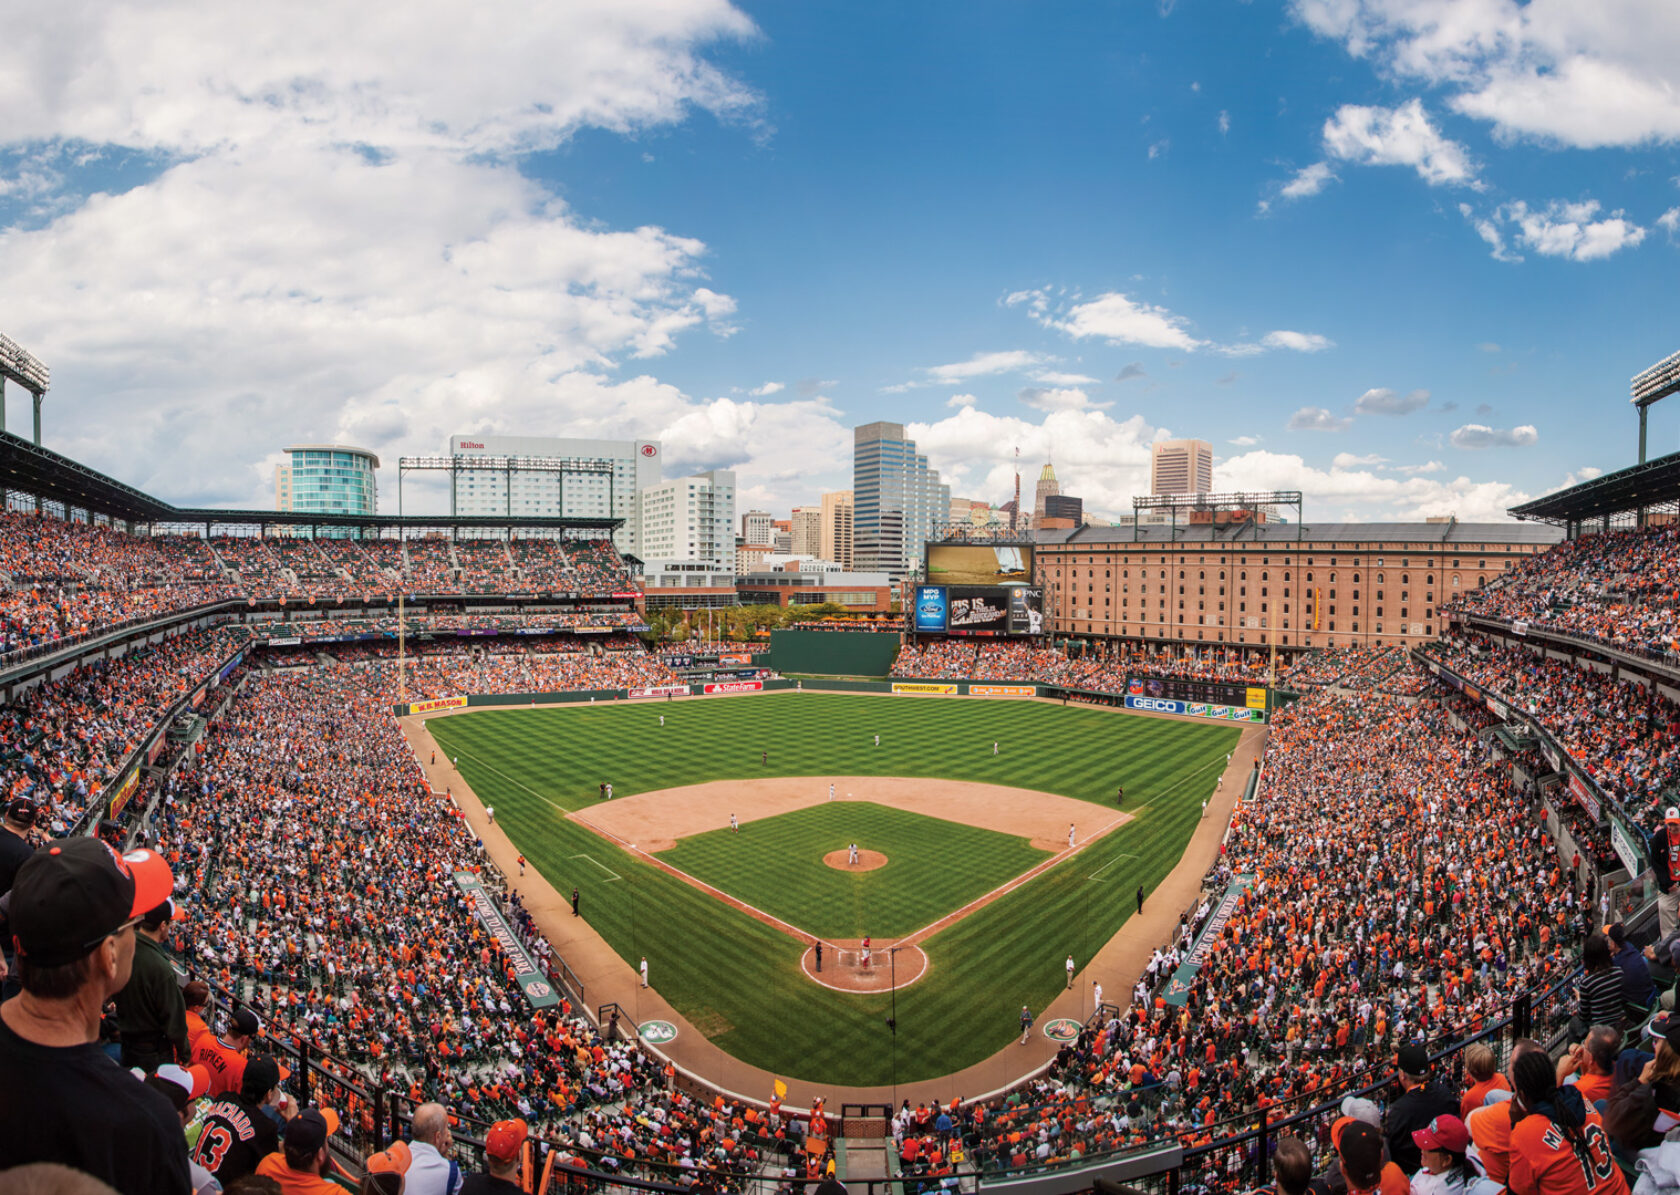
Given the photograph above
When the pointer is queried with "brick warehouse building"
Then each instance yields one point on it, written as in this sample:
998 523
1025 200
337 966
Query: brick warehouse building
1332 584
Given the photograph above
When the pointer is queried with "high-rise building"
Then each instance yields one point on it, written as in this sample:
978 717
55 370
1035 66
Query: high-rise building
757 527
898 500
807 530
688 530
1065 506
1047 486
327 479
609 476
837 527
1181 467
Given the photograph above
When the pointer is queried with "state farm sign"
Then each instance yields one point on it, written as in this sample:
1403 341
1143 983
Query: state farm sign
735 686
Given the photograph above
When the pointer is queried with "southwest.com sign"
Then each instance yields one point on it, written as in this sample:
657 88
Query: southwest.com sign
1195 709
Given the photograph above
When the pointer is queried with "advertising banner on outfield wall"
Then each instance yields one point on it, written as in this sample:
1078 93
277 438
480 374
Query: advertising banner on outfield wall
1195 709
660 691
1002 691
438 703
912 687
735 686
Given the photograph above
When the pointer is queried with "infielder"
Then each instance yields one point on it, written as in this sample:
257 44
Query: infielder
734 826
1070 836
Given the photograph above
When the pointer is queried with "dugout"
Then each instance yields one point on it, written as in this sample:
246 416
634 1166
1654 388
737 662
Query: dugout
833 653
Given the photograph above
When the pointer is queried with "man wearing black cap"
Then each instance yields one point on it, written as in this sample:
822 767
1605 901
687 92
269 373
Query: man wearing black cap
224 1056
15 847
240 1132
151 1011
73 911
1421 1103
14 841
300 1168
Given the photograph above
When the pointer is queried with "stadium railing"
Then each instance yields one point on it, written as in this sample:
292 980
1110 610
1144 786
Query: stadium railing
1664 663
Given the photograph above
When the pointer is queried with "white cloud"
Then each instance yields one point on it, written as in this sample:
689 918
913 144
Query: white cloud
1317 419
1426 467
1403 136
1060 399
1119 320
1347 460
1669 222
1308 181
1244 441
1560 229
1224 122
1584 75
339 243
961 400
1056 377
1106 462
767 389
1300 342
1479 435
1159 147
983 365
1383 401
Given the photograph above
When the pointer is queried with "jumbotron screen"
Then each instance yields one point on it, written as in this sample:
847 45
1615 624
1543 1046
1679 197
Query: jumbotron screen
979 564
994 610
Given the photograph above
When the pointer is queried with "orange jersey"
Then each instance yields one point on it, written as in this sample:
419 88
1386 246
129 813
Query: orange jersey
226 1065
1543 1162
196 1028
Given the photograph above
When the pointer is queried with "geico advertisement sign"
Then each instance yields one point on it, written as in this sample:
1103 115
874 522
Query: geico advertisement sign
739 686
1159 705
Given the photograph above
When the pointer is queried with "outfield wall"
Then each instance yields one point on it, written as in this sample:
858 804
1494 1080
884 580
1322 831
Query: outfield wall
833 653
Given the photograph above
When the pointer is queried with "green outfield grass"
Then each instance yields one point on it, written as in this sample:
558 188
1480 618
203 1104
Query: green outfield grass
737 979
933 866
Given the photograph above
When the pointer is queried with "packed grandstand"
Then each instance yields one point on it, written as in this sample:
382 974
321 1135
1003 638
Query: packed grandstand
1442 911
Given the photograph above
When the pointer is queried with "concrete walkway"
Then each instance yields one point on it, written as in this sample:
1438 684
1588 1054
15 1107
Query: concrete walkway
609 979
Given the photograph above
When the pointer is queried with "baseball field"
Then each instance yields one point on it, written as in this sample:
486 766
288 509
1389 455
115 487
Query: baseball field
952 833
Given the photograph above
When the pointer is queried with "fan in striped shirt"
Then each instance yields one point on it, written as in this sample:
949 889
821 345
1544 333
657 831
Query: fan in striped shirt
1599 993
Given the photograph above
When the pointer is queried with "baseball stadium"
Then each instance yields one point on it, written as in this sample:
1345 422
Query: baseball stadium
975 899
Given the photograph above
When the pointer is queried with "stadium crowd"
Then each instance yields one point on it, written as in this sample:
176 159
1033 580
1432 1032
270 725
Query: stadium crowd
1353 937
1626 736
1617 588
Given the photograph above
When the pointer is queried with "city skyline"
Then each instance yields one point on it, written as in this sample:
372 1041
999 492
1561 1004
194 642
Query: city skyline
1402 264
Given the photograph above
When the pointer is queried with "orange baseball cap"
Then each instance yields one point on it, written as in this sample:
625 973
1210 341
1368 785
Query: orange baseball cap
505 1139
394 1160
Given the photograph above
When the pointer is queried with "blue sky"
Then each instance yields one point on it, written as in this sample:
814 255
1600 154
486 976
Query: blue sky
1401 256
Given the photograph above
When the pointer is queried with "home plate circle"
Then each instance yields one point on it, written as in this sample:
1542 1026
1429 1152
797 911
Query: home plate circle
657 1033
842 967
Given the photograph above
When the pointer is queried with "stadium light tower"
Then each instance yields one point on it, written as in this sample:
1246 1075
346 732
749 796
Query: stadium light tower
1651 387
19 366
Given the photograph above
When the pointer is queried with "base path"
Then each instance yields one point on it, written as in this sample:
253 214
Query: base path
1117 965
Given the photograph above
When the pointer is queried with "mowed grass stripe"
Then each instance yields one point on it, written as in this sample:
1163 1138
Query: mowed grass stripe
723 969
933 866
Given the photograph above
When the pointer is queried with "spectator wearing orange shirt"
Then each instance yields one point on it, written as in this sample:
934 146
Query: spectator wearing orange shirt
225 1059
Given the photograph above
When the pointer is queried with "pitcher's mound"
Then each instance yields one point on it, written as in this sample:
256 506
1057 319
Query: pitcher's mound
867 860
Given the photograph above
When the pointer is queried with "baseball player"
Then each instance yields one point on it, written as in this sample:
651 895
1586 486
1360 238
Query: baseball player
877 740
831 790
1070 972
1070 836
644 970
661 719
851 856
864 957
734 826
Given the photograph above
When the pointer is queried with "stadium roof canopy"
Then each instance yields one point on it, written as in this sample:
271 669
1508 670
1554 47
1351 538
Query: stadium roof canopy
55 478
1285 534
1638 487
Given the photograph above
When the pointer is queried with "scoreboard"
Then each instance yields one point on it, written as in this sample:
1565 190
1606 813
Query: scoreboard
1179 689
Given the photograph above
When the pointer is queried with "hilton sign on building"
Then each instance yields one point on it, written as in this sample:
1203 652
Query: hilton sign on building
635 465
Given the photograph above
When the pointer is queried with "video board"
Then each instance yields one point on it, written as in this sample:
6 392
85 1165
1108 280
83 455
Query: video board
1203 692
979 564
932 610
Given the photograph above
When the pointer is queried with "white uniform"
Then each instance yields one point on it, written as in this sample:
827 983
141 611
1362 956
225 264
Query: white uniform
1070 837
644 971
831 792
733 824
1070 970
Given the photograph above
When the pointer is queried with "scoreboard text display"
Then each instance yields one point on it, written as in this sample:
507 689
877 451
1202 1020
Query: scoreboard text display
1207 692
